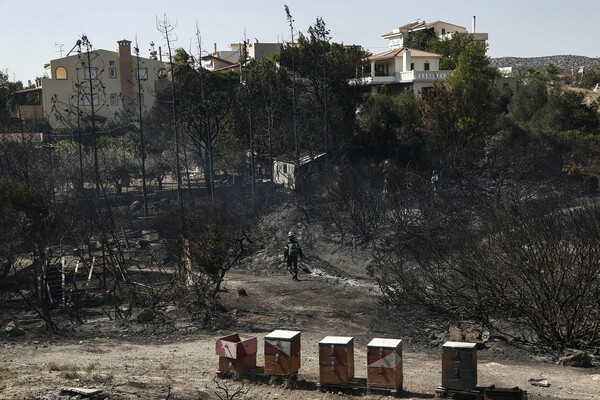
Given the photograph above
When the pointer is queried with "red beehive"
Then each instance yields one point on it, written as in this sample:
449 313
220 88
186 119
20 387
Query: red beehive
282 353
384 363
236 355
336 360
459 365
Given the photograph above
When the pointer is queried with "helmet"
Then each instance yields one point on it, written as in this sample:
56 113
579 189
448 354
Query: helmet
290 234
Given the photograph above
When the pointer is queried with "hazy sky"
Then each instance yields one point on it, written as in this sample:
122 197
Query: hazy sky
31 30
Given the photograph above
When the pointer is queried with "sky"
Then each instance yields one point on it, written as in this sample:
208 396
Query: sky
34 31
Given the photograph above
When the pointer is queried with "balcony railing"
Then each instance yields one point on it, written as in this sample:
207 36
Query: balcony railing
403 77
430 76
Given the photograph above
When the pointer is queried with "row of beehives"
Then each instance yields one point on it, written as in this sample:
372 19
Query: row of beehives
336 360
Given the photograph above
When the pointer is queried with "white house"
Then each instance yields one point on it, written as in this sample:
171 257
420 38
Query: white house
442 30
403 69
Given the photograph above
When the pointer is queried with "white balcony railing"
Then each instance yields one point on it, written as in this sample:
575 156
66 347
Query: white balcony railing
403 77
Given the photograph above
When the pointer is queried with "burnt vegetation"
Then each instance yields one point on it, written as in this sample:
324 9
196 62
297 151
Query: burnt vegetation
477 203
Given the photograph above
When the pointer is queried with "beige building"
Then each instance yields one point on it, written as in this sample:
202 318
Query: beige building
223 59
114 89
442 30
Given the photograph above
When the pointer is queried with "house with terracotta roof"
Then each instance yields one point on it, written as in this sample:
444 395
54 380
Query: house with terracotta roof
403 69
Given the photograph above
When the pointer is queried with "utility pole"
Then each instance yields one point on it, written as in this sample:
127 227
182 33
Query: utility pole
294 101
246 82
141 127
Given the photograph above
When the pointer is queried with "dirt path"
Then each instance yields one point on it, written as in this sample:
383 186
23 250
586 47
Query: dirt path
326 302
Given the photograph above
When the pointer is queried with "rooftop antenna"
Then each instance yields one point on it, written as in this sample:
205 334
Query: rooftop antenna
60 48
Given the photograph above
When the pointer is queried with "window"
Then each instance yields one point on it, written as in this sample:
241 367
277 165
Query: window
90 73
60 73
114 99
112 72
143 73
111 63
87 100
141 98
412 66
285 168
443 31
426 66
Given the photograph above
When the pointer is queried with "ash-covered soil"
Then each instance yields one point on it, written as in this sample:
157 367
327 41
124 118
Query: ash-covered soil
172 357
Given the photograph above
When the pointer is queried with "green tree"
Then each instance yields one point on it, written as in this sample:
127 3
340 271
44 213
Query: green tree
8 121
457 118
530 97
451 49
328 102
423 39
388 127
567 111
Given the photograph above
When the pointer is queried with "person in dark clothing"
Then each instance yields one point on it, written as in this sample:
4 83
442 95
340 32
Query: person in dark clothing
291 254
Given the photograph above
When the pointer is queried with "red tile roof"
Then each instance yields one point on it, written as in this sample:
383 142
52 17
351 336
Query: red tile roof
398 53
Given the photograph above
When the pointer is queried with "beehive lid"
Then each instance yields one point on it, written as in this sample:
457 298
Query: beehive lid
336 340
385 343
459 345
282 334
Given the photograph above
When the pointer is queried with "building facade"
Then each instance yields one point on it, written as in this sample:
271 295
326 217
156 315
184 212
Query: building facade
442 30
403 69
223 59
109 82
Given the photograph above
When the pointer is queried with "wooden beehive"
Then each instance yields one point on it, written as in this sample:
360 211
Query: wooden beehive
459 365
384 363
336 360
282 353
236 355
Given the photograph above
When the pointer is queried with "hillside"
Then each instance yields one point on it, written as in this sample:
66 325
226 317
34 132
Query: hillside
564 63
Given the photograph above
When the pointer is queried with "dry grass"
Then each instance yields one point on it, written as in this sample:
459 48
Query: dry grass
90 367
71 371
69 375
52 366
99 378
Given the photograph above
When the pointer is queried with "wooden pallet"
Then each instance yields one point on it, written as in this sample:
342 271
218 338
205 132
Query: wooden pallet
358 386
257 374
455 394
481 393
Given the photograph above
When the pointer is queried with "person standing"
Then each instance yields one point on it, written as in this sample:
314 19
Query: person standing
291 253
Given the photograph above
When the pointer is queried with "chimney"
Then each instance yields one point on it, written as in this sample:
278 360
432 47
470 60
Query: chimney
473 24
126 74
215 48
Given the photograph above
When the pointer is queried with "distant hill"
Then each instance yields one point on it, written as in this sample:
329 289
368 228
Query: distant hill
564 63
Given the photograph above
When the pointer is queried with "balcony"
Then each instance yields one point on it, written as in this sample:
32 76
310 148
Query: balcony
403 77
423 76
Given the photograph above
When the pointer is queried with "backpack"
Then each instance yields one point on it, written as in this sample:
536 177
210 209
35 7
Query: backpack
293 249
